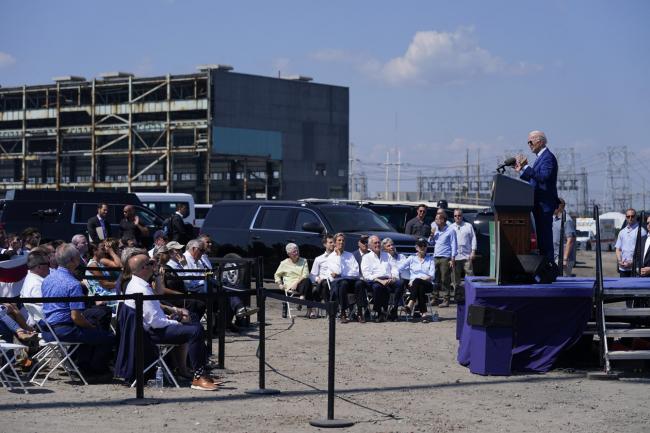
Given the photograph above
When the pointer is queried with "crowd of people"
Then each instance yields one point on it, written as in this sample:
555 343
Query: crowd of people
105 267
376 275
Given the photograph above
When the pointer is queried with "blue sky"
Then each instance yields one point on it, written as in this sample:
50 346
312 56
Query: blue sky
432 78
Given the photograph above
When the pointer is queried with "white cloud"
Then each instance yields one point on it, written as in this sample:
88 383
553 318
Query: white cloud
6 60
432 57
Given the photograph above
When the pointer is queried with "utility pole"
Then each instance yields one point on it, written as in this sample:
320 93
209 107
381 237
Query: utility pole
399 168
478 175
466 174
387 163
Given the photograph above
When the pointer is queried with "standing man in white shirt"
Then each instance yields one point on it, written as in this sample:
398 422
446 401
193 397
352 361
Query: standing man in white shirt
378 272
163 329
466 242
319 270
344 276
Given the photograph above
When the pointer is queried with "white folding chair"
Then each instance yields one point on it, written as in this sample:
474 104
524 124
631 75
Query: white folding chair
163 350
8 374
52 351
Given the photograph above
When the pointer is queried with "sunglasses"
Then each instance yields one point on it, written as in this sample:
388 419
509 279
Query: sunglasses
530 143
630 216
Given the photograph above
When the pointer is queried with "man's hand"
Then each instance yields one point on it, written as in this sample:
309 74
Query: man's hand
136 220
520 162
645 272
452 263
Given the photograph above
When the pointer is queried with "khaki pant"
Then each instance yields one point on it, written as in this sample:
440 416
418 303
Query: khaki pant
443 277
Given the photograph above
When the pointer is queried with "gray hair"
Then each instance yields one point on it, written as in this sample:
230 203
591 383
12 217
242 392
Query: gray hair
291 247
77 238
65 254
539 135
129 252
194 243
385 241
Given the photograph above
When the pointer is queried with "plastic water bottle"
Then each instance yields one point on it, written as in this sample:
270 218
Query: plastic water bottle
160 381
285 307
435 317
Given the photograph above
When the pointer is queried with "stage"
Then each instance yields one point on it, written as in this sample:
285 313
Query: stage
546 319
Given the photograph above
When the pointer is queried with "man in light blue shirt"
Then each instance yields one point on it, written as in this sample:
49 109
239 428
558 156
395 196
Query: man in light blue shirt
626 242
445 251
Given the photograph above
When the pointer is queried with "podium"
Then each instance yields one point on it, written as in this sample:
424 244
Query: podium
512 201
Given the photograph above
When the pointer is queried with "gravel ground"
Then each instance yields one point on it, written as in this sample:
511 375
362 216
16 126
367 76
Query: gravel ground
389 377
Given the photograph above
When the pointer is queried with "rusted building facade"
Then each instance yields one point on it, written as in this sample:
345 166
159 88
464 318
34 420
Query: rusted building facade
216 134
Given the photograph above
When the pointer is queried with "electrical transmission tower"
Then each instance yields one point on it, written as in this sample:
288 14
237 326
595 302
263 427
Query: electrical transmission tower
617 195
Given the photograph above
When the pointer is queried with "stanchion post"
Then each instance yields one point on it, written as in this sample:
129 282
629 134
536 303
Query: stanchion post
221 321
139 343
261 317
331 422
209 310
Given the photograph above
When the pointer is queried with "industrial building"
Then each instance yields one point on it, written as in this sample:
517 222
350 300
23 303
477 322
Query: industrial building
216 134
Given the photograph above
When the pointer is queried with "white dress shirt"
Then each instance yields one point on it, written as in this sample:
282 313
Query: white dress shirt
398 262
465 239
152 315
373 267
193 285
319 270
32 289
344 265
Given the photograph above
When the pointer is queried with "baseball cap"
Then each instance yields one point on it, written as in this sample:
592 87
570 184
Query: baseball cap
364 239
173 245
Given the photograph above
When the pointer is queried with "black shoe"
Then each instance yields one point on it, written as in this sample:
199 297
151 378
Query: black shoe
392 315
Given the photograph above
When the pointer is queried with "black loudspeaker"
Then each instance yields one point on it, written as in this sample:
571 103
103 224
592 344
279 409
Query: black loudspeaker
489 317
542 270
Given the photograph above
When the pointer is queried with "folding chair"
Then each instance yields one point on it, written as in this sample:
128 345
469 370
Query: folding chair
53 350
8 373
163 350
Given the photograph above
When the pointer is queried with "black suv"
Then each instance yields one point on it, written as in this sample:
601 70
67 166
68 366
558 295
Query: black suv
63 214
247 228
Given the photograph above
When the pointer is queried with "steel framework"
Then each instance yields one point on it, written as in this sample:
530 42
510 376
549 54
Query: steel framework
80 134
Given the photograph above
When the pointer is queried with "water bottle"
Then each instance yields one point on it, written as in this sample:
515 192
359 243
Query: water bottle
284 310
435 317
159 378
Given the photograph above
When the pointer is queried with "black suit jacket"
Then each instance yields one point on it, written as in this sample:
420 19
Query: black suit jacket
646 257
179 230
92 225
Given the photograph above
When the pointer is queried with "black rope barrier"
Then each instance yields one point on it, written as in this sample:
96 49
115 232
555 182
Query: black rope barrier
215 287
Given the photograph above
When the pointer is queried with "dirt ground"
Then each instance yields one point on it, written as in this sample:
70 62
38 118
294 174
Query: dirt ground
390 377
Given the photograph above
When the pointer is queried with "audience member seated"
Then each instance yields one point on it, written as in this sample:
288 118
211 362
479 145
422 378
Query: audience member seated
422 270
344 279
378 272
38 265
9 326
68 319
159 240
293 276
397 290
319 271
102 256
162 329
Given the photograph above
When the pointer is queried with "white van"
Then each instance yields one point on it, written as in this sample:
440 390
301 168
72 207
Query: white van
201 211
164 204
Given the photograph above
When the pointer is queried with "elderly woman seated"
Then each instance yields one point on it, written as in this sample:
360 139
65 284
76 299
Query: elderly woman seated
101 282
293 276
422 271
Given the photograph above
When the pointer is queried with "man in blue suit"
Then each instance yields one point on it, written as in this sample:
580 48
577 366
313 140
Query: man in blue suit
543 177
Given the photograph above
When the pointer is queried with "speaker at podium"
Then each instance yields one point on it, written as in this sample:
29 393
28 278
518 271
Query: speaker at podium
512 201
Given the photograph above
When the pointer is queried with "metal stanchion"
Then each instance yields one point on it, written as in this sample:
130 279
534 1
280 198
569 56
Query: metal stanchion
139 357
261 317
331 422
221 321
209 310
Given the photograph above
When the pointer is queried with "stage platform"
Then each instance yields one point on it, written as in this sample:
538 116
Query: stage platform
548 318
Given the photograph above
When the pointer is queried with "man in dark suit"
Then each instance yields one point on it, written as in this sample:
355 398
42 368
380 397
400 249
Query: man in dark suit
543 177
179 231
98 228
645 242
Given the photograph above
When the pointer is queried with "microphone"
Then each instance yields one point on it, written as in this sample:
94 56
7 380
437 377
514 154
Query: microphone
510 162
